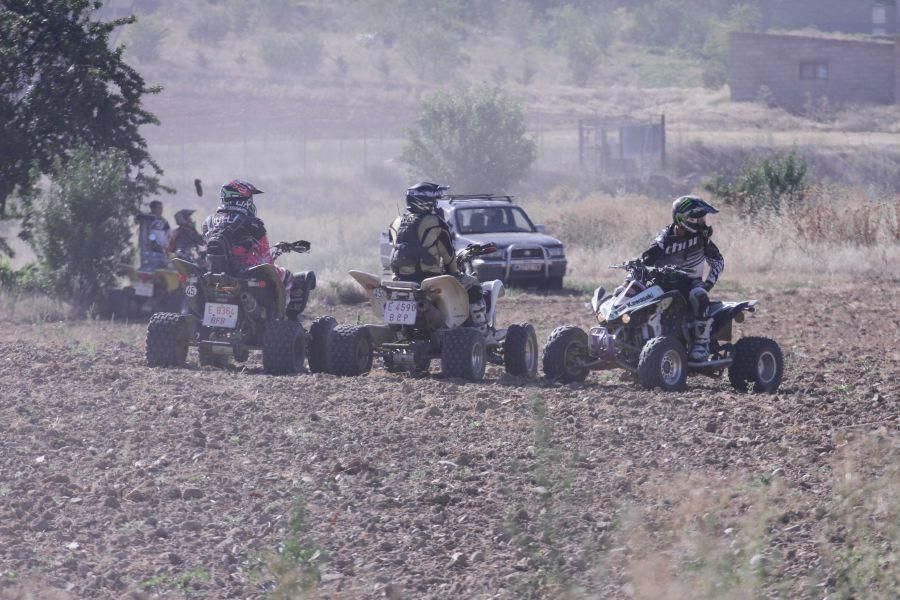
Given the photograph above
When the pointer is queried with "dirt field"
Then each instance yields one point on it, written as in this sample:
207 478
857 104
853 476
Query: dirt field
121 481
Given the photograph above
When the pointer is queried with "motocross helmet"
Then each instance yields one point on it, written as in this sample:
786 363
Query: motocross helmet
422 198
238 194
689 212
183 217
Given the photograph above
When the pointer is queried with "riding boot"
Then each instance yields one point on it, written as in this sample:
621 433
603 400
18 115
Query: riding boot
700 348
478 314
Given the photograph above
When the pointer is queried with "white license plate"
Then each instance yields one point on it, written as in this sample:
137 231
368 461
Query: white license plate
400 312
528 267
143 288
220 315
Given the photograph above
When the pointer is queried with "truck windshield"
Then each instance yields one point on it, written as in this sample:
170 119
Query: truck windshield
493 219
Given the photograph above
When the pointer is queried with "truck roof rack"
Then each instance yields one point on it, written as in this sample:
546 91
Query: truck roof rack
454 198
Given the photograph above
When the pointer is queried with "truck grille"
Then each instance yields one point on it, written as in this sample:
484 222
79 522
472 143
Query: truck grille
528 253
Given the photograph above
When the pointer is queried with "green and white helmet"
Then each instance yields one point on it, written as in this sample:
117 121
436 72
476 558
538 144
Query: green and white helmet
690 213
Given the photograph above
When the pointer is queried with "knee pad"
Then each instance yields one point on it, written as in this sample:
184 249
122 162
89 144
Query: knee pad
475 294
699 301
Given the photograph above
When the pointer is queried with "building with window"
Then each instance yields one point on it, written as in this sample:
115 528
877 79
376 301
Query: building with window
878 17
792 70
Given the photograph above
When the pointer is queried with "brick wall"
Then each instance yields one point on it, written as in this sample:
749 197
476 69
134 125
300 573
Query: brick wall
858 71
851 16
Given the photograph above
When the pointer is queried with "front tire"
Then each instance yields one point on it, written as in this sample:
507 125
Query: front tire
283 347
320 334
520 351
758 365
565 354
350 352
167 340
463 354
663 364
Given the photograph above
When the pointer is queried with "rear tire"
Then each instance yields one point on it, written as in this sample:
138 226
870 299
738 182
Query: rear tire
283 347
758 365
663 364
320 334
463 354
350 351
167 340
565 354
520 351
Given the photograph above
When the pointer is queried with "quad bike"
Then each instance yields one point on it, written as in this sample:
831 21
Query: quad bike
645 330
232 312
428 321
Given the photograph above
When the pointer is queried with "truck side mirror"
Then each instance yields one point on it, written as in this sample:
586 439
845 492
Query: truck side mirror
541 228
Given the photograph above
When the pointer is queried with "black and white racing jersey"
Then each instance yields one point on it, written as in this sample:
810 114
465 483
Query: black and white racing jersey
688 251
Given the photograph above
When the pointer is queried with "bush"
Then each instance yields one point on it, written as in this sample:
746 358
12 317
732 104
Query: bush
433 52
82 225
147 35
298 54
770 182
582 39
476 141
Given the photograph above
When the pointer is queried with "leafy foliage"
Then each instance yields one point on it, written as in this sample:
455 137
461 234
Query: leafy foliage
768 182
82 228
61 86
475 140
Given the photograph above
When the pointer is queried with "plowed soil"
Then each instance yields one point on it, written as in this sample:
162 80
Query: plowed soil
117 480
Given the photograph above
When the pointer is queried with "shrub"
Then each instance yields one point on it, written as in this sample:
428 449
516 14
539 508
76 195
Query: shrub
433 52
583 40
147 35
475 140
299 54
82 225
768 182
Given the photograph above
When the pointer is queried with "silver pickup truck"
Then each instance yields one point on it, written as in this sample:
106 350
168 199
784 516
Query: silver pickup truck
525 254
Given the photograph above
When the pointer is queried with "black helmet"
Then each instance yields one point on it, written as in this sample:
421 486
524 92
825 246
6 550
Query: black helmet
422 198
690 213
183 217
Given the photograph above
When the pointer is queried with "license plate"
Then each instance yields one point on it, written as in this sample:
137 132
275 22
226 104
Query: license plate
143 288
220 315
528 267
400 312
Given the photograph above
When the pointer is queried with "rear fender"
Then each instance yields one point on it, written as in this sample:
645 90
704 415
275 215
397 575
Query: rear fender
725 313
495 291
372 285
274 288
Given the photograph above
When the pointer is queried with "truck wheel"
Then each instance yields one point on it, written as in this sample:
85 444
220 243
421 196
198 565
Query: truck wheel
167 340
319 339
554 283
565 354
463 354
663 364
758 365
283 347
350 351
520 350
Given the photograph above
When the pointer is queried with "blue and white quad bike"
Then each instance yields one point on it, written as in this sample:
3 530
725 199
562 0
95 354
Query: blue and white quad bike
646 331
419 323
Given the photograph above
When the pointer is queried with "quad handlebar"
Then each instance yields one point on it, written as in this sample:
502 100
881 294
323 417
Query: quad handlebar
472 250
637 269
285 247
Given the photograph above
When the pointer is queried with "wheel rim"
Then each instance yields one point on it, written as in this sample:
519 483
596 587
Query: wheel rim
531 355
574 357
671 367
766 367
477 358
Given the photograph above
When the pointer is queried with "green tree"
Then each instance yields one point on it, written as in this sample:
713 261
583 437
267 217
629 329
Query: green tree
768 182
474 140
583 37
82 226
62 86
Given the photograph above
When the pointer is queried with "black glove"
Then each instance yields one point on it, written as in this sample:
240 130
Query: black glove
707 285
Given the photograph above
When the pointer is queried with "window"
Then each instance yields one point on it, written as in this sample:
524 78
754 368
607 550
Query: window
493 220
879 15
814 70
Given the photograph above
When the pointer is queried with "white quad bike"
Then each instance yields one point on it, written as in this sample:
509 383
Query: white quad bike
645 330
427 321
